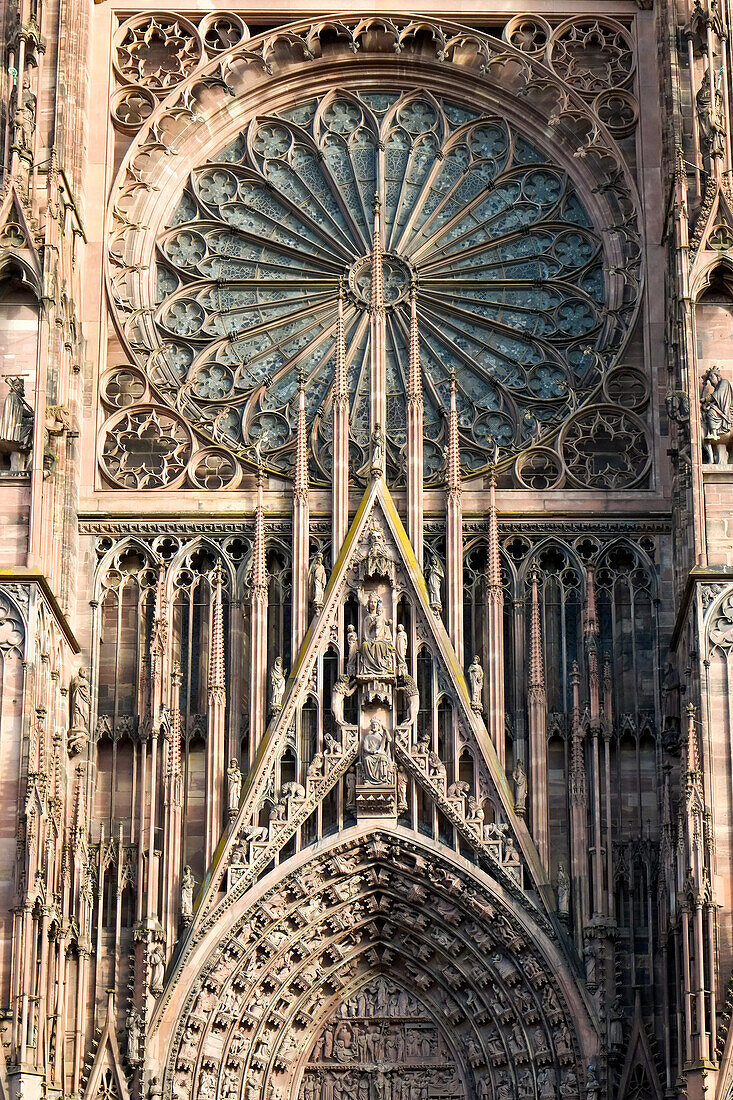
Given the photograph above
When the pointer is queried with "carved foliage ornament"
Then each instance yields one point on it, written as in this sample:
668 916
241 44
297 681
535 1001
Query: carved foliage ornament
524 287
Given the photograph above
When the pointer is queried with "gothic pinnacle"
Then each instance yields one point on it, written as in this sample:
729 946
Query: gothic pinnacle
453 456
300 477
414 380
376 303
536 664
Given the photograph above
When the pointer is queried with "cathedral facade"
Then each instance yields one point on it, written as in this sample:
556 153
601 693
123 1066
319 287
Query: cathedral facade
366 571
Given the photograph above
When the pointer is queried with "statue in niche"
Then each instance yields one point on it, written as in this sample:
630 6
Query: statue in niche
155 1089
352 648
434 578
80 707
519 776
277 685
671 729
25 119
376 761
400 646
16 424
563 890
710 120
157 968
234 787
377 458
715 410
476 679
376 652
188 885
401 792
134 1037
318 581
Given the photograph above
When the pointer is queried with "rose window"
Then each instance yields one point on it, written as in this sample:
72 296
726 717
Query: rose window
512 281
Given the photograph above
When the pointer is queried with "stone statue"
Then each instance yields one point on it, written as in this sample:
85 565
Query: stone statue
434 580
188 885
318 580
277 684
476 678
710 118
377 458
315 768
352 648
134 1036
157 968
616 1025
16 424
376 653
401 792
155 1089
376 761
519 776
80 706
563 891
715 409
234 787
25 119
350 780
400 646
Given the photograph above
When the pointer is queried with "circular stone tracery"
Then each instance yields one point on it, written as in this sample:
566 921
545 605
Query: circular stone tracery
397 277
518 288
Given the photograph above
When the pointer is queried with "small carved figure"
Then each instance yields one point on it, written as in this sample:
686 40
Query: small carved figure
134 1036
519 776
318 580
400 646
436 767
434 580
376 652
616 1025
591 1084
563 890
715 409
277 684
16 424
678 406
155 1089
375 758
711 121
352 648
377 458
188 885
293 790
80 705
234 787
157 968
459 789
332 745
378 559
476 678
25 119
315 768
350 780
401 792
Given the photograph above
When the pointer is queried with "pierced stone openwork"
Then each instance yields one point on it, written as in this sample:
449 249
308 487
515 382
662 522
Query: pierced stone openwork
528 276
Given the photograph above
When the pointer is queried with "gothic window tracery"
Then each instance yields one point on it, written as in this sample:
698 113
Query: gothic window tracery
508 263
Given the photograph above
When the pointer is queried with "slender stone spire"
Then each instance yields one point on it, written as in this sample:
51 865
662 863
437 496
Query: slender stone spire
340 436
258 629
215 762
607 728
415 406
158 645
301 527
578 812
495 616
172 830
591 634
378 328
454 530
537 706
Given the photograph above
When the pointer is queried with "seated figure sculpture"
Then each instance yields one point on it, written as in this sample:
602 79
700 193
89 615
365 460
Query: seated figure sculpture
376 652
376 762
